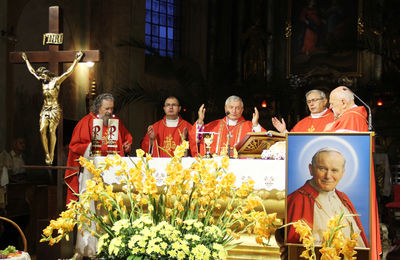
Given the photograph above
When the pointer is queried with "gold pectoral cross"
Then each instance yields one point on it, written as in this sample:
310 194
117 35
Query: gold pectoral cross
311 129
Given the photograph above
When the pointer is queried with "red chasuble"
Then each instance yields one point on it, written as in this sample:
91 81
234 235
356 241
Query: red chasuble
309 124
353 120
168 138
220 143
81 138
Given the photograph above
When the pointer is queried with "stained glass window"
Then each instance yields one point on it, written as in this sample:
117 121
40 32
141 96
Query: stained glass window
162 31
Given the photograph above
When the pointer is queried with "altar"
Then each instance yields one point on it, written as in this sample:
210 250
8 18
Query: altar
269 185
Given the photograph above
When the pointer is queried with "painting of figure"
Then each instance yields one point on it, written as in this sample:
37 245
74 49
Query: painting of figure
324 36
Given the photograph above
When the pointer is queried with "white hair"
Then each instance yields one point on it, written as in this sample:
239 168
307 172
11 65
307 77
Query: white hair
233 99
99 101
326 150
320 92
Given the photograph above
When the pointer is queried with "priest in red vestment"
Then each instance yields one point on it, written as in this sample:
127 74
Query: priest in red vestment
348 116
232 127
81 140
352 118
320 115
319 200
165 135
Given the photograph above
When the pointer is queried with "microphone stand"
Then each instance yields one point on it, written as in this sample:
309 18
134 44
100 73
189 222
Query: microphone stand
229 134
369 110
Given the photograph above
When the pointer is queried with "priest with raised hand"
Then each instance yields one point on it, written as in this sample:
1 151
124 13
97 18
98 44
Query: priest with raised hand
348 116
319 116
165 135
228 130
81 140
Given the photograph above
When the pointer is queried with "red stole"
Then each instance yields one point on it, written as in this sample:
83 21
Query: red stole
220 127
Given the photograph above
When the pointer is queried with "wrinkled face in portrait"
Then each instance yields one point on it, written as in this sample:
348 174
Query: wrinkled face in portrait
106 110
235 109
171 108
316 104
328 170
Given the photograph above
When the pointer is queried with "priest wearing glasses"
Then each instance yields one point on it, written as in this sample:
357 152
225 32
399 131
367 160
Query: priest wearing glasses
319 116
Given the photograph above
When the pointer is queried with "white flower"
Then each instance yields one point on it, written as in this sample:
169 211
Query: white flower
119 225
200 252
103 241
115 245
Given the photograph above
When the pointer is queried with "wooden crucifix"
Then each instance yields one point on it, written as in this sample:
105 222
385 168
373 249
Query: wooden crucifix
55 57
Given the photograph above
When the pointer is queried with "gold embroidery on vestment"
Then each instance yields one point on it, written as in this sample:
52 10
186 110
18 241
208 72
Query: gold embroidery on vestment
169 143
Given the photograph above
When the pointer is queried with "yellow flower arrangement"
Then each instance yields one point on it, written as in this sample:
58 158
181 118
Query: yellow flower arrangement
334 244
184 219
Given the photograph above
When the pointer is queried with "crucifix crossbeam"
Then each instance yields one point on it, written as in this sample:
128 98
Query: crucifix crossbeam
54 56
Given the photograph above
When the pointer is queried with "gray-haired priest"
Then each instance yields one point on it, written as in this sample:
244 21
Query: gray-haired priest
229 130
81 140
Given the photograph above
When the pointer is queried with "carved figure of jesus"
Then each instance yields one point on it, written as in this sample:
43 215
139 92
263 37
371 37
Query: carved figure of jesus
50 114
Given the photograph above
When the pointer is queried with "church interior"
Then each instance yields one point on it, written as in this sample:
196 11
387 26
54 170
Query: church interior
201 51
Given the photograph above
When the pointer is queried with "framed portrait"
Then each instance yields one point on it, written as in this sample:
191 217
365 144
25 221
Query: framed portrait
327 175
322 35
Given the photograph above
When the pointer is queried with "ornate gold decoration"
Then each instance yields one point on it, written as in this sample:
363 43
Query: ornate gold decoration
360 26
311 129
53 38
254 145
208 140
288 30
169 143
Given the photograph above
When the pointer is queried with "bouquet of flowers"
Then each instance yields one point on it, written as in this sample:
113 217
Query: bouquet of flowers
334 245
196 214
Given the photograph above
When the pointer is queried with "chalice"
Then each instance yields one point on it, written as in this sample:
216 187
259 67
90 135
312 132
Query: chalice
208 140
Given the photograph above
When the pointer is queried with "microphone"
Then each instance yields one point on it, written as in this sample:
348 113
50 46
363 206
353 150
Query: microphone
229 133
365 104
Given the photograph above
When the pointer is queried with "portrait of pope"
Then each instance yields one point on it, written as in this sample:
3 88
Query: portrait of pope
319 199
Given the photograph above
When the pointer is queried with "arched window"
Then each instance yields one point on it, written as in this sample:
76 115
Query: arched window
162 30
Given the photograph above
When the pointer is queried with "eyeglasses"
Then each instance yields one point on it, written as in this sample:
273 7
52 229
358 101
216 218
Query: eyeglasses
171 105
313 100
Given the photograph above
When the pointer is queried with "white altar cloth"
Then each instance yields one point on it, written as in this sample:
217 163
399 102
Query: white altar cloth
267 174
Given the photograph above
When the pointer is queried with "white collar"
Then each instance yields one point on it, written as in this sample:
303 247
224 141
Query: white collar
172 122
231 122
318 115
